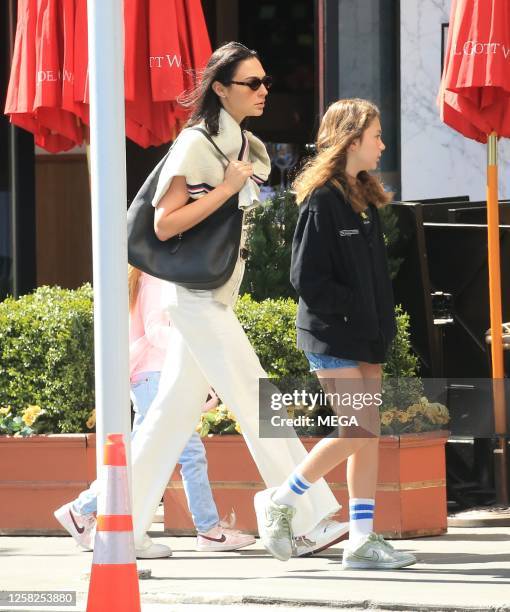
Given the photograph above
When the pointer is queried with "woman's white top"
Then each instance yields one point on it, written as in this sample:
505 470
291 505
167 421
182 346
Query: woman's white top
193 157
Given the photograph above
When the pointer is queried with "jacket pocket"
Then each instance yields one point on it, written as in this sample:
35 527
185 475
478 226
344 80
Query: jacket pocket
363 320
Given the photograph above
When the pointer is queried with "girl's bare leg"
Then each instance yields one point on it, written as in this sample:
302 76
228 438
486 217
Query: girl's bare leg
330 452
363 464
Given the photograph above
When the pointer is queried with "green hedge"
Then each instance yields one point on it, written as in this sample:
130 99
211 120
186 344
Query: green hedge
46 352
46 356
270 232
269 243
270 326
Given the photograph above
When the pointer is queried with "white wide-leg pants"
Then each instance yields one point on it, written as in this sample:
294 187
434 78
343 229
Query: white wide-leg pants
208 347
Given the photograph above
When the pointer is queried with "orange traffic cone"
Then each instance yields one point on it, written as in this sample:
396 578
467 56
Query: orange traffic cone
113 580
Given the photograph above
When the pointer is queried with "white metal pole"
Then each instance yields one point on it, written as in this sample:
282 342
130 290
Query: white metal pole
109 232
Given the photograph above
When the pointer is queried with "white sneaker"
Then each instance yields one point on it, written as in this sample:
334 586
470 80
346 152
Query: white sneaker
151 550
373 552
80 526
274 522
323 536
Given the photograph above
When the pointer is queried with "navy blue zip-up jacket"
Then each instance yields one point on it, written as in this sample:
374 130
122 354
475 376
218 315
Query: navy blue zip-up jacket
340 272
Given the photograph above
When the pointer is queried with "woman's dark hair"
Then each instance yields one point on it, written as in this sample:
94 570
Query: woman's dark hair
203 101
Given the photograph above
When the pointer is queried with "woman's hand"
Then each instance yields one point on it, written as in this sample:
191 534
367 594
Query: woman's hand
236 175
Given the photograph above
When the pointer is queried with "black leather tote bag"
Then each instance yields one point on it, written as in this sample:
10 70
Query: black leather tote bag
203 257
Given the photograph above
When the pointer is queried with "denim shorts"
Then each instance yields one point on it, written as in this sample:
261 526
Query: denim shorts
319 361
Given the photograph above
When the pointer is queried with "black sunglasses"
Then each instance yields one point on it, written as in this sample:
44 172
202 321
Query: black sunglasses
255 83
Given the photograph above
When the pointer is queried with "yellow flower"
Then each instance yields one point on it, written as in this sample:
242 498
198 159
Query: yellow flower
386 417
30 414
91 421
5 411
403 417
238 428
440 414
413 410
231 415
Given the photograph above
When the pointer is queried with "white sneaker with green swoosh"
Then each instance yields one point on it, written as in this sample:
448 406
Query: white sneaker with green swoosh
274 522
373 552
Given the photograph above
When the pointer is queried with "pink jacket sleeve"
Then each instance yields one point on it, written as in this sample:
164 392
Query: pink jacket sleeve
156 321
149 323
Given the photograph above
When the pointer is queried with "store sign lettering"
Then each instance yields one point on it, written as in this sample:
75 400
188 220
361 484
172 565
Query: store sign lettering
52 76
471 47
161 61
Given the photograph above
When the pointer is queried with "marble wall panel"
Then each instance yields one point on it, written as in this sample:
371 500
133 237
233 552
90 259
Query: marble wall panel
436 161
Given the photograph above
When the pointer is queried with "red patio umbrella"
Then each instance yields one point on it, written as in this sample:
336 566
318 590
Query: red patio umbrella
166 52
58 125
191 16
474 99
137 90
81 62
35 94
166 42
21 91
146 121
476 76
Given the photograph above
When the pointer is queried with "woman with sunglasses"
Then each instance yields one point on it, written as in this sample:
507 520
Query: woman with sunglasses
207 345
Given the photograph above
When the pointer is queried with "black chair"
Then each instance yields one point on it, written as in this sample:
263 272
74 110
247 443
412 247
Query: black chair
441 254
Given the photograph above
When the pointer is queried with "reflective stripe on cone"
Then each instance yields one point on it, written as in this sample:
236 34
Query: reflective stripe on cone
117 501
116 547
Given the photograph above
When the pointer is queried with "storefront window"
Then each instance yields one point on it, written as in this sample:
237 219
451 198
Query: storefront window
283 33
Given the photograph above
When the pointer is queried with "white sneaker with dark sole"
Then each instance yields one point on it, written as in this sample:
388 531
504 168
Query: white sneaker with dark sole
80 526
326 534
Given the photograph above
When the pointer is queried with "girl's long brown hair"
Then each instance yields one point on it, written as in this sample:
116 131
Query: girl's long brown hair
133 284
344 122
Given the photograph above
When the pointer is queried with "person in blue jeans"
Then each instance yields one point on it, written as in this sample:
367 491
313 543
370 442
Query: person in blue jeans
148 331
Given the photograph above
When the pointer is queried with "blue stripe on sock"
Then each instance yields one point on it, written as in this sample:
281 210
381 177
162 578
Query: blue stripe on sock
361 515
300 483
361 507
295 489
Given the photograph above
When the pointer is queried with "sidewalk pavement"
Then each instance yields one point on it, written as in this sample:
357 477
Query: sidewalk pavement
464 570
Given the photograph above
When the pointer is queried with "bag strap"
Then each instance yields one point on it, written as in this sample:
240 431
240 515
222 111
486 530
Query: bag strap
208 136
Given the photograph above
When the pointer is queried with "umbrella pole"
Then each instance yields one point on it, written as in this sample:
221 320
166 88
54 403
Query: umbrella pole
496 320
109 226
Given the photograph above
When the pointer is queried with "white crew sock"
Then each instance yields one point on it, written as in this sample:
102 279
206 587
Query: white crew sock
291 490
361 518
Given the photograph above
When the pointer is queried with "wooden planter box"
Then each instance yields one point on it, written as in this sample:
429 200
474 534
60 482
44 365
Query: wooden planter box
410 500
40 473
37 475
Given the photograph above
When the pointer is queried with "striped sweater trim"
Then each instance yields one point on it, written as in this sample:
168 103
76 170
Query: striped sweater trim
257 179
206 188
243 147
199 188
